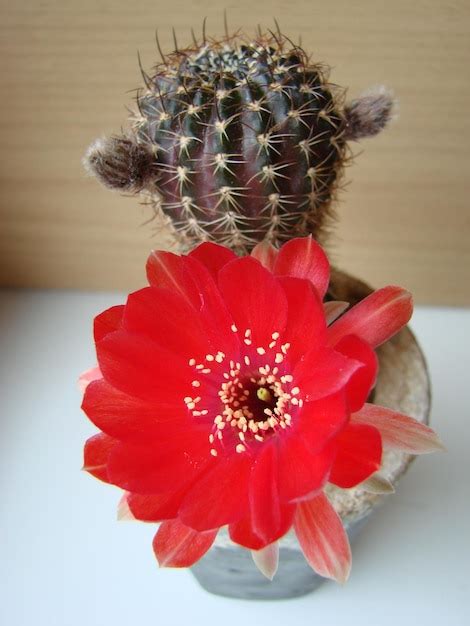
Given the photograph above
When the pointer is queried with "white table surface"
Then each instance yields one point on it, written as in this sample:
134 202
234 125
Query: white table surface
66 561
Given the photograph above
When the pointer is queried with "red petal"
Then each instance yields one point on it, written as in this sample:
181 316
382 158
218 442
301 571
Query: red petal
213 312
319 421
127 418
168 320
323 372
168 270
220 496
161 467
124 513
322 538
363 380
359 455
139 367
107 322
96 455
270 519
194 282
176 545
212 256
255 299
242 533
376 318
304 258
306 325
399 431
303 472
266 254
155 508
88 377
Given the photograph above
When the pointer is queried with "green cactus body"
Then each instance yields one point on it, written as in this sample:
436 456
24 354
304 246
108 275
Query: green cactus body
248 142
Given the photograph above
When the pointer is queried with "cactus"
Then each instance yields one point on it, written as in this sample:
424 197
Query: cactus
239 140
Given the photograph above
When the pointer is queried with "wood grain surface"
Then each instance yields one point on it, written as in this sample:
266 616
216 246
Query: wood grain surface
68 69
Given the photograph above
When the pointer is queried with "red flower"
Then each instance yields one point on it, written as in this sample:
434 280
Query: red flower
225 399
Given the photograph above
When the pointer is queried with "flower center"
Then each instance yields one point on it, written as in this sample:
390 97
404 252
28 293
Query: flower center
254 397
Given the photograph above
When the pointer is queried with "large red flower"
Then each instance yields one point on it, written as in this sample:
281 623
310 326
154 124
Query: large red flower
225 398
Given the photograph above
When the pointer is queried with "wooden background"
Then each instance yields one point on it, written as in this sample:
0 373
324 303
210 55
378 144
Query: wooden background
67 68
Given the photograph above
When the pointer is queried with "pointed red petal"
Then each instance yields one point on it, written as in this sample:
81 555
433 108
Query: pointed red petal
270 519
242 533
88 377
176 545
303 472
319 421
160 467
188 277
323 539
155 508
399 431
139 367
107 322
306 325
167 319
304 258
267 560
255 299
359 455
165 269
323 372
213 311
363 380
266 254
212 256
124 513
96 455
376 318
128 418
220 496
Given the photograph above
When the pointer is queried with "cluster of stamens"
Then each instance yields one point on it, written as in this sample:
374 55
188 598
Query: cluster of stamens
255 400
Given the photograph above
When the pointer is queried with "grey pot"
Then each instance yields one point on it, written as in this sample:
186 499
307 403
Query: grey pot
403 385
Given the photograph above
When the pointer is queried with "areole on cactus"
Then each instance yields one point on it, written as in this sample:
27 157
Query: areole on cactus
238 140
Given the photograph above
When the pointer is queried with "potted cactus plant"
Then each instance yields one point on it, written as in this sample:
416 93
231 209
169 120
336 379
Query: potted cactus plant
242 405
